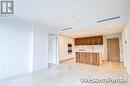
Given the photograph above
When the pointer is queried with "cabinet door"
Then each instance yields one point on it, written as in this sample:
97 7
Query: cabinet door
98 59
84 58
100 40
90 40
86 41
79 41
76 41
88 58
77 57
96 40
82 41
81 57
94 58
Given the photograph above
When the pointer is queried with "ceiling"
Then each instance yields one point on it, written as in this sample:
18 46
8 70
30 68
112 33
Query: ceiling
81 15
94 31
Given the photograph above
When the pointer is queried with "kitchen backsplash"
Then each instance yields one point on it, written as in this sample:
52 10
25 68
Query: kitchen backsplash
99 48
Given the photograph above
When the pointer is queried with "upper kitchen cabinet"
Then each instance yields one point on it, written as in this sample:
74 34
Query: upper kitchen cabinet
95 40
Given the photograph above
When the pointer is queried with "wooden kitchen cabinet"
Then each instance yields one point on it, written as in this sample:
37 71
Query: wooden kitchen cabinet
95 59
87 58
96 40
100 40
78 57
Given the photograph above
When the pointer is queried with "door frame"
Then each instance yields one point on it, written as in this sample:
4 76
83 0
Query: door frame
108 49
56 46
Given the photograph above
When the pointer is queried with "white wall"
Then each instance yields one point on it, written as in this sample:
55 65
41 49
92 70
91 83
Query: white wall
105 47
128 45
40 45
15 47
63 47
124 46
23 46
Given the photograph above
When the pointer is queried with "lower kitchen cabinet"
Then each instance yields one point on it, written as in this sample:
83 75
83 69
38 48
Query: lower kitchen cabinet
88 58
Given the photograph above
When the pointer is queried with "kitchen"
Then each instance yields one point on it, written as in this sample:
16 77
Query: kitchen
91 50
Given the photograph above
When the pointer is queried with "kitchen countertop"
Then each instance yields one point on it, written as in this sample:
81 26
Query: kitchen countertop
90 51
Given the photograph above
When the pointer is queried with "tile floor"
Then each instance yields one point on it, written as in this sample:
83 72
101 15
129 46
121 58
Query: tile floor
69 73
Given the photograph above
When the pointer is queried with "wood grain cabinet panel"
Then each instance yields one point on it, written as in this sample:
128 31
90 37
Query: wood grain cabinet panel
77 57
87 58
95 57
100 40
96 40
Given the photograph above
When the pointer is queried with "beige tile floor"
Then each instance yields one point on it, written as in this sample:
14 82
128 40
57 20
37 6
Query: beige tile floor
68 73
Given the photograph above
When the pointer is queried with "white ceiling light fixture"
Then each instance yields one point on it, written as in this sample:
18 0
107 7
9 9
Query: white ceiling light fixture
103 20
68 28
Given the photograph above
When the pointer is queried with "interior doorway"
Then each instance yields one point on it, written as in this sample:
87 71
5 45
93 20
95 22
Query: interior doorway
113 49
52 49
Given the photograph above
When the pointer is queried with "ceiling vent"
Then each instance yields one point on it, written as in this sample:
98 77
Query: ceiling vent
66 29
108 19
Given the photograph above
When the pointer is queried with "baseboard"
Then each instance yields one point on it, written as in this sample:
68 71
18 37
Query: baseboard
66 59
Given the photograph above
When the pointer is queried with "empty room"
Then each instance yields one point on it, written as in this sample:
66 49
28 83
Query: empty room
64 42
